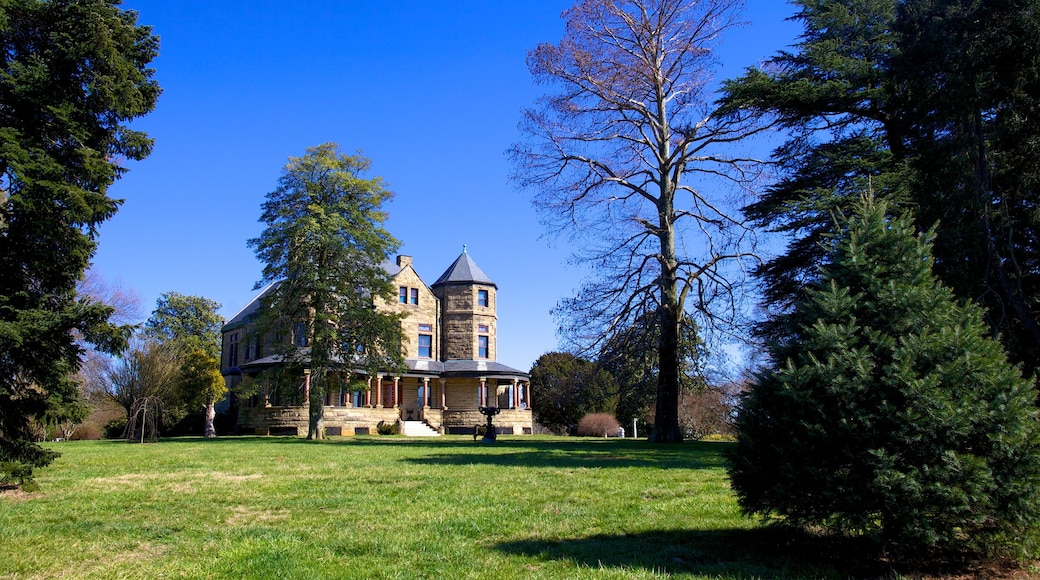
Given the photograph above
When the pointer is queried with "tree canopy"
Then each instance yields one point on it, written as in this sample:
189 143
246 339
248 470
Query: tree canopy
324 245
190 327
931 104
72 77
191 322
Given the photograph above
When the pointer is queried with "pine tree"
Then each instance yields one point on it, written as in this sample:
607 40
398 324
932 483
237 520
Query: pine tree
889 409
73 75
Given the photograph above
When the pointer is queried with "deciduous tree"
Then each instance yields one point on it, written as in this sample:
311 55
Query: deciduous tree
324 243
627 157
201 385
72 76
191 326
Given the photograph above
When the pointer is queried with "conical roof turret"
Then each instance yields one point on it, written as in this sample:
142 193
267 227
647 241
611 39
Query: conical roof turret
464 271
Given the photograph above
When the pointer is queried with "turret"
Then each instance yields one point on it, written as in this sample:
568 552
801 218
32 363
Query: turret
468 316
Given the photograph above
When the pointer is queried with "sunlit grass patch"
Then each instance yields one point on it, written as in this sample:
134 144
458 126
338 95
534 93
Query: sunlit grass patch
384 507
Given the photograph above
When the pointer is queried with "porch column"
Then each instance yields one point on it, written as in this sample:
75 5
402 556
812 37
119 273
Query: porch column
426 393
396 397
482 394
267 393
307 385
367 399
444 400
379 391
516 394
527 387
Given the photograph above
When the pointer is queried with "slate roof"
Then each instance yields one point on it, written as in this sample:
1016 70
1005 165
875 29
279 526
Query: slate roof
451 368
464 271
249 309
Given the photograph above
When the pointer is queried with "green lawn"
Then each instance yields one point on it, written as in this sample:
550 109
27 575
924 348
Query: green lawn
388 507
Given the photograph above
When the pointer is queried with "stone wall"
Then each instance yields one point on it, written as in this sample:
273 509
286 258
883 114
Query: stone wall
282 420
426 312
461 318
520 421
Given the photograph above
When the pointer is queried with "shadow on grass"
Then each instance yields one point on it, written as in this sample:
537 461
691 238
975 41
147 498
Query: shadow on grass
731 553
519 451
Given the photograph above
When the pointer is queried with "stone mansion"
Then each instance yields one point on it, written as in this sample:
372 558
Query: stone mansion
450 347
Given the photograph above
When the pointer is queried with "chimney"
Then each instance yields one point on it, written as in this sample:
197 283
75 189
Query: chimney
403 261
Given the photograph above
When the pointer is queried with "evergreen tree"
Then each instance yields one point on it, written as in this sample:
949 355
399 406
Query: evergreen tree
932 104
324 245
834 98
72 76
565 388
889 409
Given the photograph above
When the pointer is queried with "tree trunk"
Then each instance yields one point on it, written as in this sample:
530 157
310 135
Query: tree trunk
666 417
209 431
316 425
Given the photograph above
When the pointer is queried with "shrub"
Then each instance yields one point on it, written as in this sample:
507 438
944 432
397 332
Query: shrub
598 425
116 428
86 432
384 428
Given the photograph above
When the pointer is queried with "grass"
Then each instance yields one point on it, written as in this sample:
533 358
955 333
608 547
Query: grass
390 507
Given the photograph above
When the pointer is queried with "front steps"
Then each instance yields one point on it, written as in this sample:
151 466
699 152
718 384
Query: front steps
418 429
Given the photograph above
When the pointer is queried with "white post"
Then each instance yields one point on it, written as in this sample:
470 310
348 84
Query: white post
635 434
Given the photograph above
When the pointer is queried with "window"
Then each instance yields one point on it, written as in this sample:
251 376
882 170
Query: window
414 296
402 295
425 346
249 349
482 328
482 347
425 328
299 332
233 351
482 298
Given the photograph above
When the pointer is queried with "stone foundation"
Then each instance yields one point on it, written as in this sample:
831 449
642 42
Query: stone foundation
363 420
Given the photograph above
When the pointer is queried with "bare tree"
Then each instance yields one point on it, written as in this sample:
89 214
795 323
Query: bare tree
628 158
126 304
147 369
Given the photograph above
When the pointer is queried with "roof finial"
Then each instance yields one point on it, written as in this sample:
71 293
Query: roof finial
463 248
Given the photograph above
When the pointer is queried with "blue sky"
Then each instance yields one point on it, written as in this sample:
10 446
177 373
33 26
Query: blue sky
431 92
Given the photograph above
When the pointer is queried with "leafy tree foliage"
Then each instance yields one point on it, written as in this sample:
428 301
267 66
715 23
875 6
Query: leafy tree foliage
202 385
619 157
930 104
324 244
191 326
190 322
889 409
564 388
72 76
